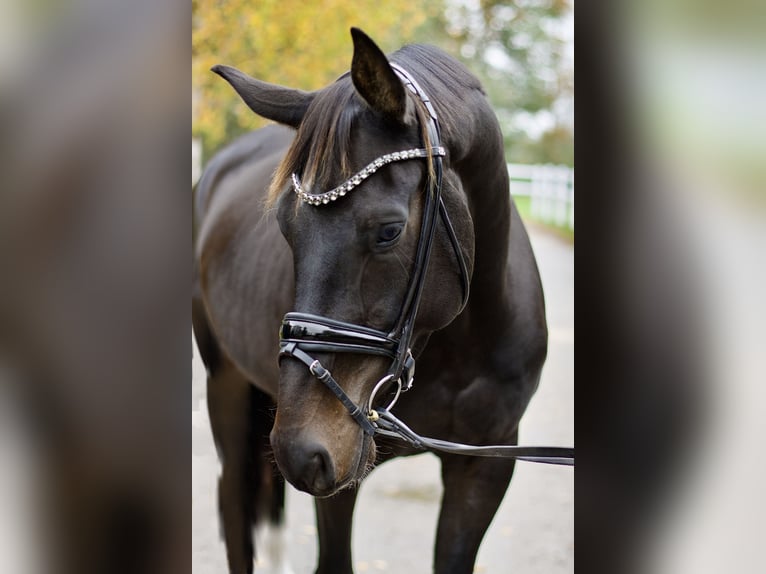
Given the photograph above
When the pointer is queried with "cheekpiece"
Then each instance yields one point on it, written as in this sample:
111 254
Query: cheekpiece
359 177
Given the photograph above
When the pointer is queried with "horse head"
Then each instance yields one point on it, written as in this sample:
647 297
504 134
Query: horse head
351 208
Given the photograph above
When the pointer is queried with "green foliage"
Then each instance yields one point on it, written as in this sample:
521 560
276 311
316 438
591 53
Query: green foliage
553 146
518 50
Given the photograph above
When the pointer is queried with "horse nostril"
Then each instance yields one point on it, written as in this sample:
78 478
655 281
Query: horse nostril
306 464
317 465
318 472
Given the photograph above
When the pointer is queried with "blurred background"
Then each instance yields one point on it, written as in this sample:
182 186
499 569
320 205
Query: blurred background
94 248
673 234
94 287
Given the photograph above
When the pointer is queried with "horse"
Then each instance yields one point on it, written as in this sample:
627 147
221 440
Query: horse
313 227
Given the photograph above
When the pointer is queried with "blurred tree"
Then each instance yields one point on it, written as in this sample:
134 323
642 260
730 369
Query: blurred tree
291 42
516 47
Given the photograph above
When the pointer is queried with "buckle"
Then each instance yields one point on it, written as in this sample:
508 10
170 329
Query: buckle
408 372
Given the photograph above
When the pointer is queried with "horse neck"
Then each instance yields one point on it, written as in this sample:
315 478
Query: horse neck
484 176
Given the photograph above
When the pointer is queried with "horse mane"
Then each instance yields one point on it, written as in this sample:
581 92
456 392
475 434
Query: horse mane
446 81
323 142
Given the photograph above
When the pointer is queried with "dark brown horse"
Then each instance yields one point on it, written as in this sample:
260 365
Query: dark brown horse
351 259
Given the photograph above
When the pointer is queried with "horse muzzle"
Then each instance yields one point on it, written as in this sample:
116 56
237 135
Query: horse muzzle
317 466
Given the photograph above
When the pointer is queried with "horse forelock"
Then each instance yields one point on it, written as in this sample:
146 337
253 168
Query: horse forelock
323 142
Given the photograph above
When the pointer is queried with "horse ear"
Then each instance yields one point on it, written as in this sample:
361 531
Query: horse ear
374 78
277 103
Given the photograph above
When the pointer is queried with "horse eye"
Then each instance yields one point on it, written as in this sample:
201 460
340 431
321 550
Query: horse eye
389 233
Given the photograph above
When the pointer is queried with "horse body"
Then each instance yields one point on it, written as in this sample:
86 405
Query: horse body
245 265
477 367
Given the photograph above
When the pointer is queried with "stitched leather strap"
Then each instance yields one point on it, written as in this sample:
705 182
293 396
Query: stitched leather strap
388 425
324 376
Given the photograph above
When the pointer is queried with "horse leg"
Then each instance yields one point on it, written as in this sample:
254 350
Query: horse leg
272 537
270 532
229 407
473 490
334 517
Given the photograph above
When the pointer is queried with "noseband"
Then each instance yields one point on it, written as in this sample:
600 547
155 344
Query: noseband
302 334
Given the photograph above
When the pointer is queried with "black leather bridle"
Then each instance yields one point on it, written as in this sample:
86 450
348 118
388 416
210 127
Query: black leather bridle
302 334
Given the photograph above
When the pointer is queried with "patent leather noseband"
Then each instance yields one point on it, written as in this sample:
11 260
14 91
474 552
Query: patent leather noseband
302 334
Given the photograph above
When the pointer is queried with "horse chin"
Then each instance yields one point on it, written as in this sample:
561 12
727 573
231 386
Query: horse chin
366 461
333 491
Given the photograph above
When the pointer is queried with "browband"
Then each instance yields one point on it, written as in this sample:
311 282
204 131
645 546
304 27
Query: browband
360 176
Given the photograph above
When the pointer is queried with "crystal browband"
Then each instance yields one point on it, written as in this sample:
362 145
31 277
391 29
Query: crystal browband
357 178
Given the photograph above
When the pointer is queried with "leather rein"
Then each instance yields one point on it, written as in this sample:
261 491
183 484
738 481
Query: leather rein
302 334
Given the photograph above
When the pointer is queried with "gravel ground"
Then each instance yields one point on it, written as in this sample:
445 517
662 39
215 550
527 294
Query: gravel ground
533 531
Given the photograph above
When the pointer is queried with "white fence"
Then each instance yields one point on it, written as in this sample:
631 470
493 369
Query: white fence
550 189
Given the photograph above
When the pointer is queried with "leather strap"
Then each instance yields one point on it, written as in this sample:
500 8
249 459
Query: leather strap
325 377
383 422
388 425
